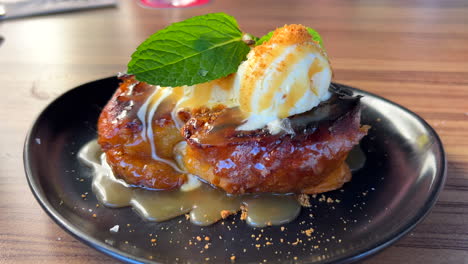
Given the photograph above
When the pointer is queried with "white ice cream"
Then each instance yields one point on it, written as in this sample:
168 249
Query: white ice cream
288 75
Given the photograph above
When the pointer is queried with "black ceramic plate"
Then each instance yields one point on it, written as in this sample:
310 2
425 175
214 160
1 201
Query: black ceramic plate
404 171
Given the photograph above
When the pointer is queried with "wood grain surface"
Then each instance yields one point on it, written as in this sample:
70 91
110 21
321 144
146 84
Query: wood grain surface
412 52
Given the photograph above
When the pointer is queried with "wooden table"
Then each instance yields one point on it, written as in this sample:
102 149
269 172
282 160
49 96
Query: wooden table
412 52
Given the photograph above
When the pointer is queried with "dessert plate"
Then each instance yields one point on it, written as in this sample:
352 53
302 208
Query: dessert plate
404 171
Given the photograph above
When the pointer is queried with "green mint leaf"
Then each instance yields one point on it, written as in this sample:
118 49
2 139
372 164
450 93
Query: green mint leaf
315 37
196 50
264 38
254 38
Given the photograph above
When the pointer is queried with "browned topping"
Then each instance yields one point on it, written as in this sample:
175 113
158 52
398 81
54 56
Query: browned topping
287 35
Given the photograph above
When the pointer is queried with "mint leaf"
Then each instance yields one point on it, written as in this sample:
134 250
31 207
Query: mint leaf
264 38
315 37
196 50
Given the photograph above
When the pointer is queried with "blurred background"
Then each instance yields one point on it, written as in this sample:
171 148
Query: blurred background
412 52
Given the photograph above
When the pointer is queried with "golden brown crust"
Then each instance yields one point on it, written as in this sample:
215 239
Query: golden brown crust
309 161
121 139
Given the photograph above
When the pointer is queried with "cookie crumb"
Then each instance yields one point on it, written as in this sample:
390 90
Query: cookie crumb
304 200
322 198
308 232
295 243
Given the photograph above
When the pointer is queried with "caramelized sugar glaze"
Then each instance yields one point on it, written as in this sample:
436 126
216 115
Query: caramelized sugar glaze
128 153
307 157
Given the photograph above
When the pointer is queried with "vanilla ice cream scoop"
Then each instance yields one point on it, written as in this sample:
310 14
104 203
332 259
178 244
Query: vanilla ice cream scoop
287 75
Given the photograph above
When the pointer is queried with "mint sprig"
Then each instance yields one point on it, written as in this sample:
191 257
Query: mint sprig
196 50
315 37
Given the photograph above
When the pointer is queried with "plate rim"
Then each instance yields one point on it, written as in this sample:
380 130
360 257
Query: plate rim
102 247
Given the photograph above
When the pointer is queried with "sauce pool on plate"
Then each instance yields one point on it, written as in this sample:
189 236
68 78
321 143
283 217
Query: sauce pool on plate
204 204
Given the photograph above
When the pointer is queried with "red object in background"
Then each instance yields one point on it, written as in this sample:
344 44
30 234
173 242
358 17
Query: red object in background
172 3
